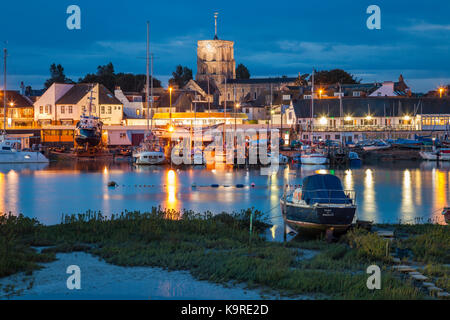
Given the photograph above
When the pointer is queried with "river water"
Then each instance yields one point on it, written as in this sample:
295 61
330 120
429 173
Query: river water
385 192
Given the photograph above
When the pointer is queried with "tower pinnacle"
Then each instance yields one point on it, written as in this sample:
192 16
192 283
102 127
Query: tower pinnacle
215 26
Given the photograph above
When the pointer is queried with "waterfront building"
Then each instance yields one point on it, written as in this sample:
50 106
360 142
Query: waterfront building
19 111
63 104
359 118
133 103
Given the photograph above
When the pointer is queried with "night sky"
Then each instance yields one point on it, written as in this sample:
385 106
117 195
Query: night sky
272 38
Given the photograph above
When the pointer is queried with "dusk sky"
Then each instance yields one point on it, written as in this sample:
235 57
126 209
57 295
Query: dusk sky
271 38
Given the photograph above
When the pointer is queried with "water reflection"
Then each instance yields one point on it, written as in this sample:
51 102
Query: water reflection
385 193
407 205
369 204
171 190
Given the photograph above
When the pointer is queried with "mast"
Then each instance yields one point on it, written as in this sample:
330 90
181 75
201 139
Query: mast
148 80
4 92
151 98
312 105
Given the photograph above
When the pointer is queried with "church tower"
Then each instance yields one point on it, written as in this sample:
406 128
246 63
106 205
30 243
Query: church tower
215 59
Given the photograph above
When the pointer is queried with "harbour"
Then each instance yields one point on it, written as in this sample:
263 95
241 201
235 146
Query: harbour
407 192
289 163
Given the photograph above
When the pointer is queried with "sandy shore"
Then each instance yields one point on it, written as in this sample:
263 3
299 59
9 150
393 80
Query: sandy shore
100 280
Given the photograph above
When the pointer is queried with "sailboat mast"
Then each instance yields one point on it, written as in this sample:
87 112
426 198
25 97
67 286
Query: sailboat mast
312 105
151 98
148 78
4 92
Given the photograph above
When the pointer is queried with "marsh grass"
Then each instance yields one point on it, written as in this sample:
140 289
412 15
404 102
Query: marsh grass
211 247
429 243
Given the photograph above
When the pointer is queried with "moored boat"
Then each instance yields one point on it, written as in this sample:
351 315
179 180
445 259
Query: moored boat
313 158
10 152
446 214
319 204
377 145
89 131
441 154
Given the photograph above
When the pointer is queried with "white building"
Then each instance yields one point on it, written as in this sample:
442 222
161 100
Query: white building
63 104
45 105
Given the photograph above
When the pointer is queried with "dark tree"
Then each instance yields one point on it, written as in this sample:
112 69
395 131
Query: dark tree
180 76
56 75
242 72
126 81
334 76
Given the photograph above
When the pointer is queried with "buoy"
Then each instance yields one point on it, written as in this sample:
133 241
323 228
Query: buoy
253 184
112 184
239 185
215 185
194 185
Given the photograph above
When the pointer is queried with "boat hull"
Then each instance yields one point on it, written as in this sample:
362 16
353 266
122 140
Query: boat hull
318 218
313 160
433 156
88 137
22 157
149 158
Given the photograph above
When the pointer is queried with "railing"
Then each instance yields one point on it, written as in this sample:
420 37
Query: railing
328 196
360 128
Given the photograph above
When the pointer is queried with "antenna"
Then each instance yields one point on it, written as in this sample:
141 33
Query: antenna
215 25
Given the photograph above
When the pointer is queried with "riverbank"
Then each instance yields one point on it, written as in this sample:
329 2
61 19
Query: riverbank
220 250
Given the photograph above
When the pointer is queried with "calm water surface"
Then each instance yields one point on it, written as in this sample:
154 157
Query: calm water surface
386 192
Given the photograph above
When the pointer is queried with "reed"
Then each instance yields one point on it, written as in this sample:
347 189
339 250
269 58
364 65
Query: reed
211 247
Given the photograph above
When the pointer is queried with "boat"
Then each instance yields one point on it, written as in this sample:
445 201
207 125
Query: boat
446 214
319 204
88 131
10 152
437 154
354 158
407 143
313 158
149 151
11 149
377 145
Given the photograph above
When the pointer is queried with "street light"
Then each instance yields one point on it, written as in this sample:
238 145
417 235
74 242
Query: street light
170 105
441 91
237 105
320 93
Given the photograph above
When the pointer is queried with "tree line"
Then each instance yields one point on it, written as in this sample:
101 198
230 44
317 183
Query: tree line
130 82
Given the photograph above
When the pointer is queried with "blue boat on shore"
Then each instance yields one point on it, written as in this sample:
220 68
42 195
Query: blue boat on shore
319 204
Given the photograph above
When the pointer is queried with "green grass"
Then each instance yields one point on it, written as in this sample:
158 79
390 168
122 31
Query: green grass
213 248
428 243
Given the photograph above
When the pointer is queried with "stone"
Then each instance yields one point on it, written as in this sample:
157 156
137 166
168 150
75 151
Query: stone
385 233
434 289
428 284
443 295
419 277
404 268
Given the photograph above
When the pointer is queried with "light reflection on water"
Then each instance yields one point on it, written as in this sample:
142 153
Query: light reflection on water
386 193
